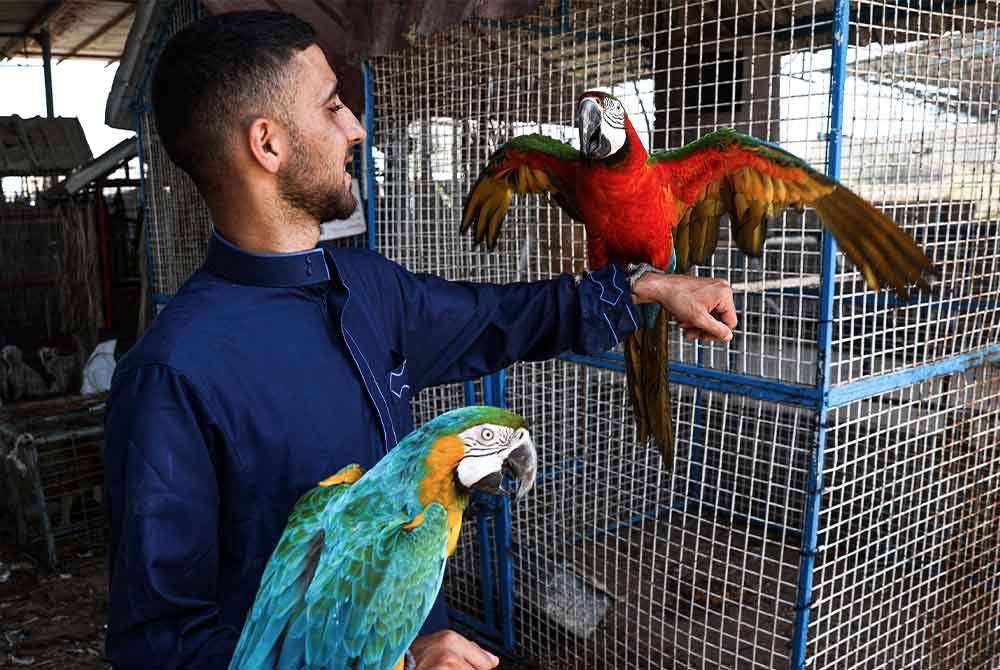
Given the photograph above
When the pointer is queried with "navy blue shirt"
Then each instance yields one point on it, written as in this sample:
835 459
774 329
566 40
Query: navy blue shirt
265 374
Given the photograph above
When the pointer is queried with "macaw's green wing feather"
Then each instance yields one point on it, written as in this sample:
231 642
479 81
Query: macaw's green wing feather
753 181
288 574
369 598
526 164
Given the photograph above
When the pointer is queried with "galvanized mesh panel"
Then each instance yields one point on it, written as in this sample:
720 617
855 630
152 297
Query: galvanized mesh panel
620 564
921 140
444 106
909 541
53 476
177 225
28 293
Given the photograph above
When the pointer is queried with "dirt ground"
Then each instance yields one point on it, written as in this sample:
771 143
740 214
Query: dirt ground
56 619
51 619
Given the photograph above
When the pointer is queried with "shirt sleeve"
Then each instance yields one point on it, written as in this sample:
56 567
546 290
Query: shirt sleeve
162 493
454 331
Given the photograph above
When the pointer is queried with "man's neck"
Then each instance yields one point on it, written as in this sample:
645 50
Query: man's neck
265 232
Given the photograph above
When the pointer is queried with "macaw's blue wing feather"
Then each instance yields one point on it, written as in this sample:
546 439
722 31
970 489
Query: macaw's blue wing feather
365 606
288 575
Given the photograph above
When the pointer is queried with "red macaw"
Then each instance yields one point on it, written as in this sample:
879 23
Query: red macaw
664 209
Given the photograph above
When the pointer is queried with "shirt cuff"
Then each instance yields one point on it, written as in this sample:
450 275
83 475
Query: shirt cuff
607 314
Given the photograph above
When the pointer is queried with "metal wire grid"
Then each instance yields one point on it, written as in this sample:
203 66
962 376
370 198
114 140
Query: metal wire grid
444 106
28 295
177 222
53 474
620 564
921 140
910 530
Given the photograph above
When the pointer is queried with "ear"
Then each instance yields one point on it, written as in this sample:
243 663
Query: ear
268 143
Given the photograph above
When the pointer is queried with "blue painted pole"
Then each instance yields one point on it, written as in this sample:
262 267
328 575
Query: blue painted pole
486 570
814 480
505 563
371 187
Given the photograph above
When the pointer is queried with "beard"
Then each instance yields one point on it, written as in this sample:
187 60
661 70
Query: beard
310 184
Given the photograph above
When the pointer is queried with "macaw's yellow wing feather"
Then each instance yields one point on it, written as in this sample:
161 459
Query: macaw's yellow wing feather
727 172
526 164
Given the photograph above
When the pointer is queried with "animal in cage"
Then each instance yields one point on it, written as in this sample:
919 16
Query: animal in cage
664 209
63 369
362 559
22 380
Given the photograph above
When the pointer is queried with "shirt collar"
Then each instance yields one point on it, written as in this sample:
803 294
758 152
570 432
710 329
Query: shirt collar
299 268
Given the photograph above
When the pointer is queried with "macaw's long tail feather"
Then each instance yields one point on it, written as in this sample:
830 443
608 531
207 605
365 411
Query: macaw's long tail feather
883 251
646 360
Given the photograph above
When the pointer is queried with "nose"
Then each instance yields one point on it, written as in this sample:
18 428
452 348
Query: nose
354 130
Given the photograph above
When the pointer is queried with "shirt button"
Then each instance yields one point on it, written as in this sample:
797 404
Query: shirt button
309 271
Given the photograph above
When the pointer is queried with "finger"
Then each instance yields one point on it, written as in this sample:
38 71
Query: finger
479 658
726 309
713 327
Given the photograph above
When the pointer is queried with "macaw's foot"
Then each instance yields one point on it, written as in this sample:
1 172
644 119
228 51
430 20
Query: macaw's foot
407 662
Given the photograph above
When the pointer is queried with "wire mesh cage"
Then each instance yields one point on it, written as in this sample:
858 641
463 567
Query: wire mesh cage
797 523
51 461
833 501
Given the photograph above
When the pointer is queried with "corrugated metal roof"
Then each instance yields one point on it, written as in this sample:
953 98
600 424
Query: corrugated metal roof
350 31
41 146
76 28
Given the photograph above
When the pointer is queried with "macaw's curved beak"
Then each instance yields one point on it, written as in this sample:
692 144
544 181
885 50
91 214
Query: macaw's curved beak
520 465
588 122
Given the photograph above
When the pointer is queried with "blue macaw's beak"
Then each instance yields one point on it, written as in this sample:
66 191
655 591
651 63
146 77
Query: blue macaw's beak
520 466
588 121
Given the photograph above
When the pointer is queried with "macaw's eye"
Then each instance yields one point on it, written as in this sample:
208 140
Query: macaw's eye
486 435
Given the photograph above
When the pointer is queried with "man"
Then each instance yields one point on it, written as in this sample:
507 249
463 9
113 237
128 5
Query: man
278 362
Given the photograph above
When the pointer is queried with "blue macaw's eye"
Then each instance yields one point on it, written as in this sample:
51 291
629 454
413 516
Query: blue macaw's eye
486 435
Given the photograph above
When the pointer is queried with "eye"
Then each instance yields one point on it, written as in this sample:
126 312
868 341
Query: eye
486 435
336 108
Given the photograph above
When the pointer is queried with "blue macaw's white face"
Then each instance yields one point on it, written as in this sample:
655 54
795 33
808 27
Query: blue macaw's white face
492 451
601 122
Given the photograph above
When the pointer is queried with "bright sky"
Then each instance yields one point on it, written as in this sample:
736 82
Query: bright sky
80 88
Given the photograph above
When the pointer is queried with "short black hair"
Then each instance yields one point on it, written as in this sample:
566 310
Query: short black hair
217 72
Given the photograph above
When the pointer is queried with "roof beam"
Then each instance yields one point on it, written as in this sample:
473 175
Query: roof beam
118 18
36 22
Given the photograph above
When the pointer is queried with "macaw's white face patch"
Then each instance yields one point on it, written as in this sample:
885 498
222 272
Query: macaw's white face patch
613 124
487 448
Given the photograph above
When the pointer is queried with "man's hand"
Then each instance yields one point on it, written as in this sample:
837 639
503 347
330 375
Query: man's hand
447 650
703 306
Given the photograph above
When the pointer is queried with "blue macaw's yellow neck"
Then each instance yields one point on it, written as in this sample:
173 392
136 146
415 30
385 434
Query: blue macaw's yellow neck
438 484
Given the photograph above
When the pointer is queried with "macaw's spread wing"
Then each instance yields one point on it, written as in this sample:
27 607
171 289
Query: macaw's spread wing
526 164
753 181
288 574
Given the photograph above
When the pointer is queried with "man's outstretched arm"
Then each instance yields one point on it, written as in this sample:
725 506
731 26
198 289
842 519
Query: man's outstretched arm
162 496
453 331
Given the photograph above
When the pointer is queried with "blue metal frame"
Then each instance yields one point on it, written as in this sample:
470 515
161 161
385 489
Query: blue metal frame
814 479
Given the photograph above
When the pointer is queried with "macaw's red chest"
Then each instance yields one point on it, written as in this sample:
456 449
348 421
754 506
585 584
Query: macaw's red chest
628 214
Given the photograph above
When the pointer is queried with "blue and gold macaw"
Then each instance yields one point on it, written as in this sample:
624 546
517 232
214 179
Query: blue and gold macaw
361 560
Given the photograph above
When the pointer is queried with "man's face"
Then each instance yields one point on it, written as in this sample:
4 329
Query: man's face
322 132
